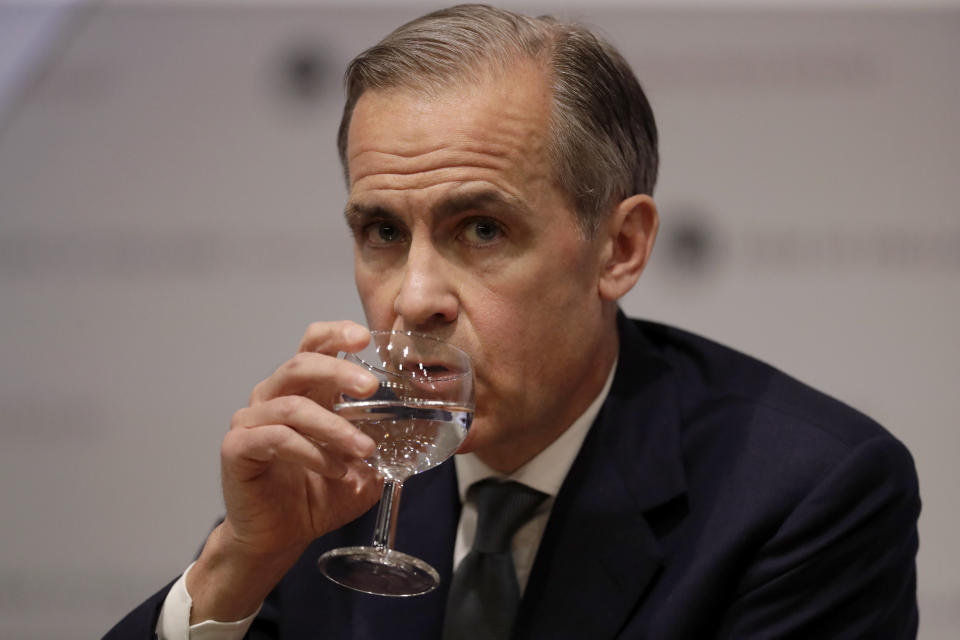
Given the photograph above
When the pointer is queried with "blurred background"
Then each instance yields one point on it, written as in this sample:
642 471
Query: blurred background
170 222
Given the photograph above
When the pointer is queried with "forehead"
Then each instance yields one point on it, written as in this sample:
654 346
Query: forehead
498 122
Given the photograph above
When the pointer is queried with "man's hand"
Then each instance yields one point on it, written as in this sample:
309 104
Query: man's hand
291 472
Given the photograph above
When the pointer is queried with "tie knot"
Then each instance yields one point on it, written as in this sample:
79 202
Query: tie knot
501 508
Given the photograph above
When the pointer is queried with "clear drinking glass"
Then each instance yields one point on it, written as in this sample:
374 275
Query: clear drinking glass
418 417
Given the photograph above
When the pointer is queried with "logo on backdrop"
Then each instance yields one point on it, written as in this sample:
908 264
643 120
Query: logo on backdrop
695 244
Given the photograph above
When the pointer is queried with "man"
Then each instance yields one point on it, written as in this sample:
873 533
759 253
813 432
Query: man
500 171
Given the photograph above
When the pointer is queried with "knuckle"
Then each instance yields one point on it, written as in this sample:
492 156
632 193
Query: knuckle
288 407
231 446
316 328
316 332
298 362
236 420
256 395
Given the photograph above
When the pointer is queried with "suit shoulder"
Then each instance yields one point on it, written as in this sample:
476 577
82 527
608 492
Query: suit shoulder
714 379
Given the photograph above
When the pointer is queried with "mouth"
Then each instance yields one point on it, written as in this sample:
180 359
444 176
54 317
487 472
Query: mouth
434 370
429 362
431 370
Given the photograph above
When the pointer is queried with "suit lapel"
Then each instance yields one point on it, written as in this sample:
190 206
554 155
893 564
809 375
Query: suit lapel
600 554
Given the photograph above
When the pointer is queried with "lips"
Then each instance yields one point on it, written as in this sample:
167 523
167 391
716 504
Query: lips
429 369
434 370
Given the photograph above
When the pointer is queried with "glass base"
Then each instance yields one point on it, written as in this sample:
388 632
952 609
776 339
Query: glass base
379 572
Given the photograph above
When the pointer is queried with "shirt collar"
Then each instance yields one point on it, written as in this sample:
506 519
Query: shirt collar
547 470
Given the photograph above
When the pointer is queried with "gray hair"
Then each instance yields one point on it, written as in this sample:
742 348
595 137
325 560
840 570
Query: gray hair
603 138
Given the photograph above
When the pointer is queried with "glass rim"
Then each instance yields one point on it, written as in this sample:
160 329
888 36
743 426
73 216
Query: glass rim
421 336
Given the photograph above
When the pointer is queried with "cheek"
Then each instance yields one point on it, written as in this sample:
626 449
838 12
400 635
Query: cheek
492 320
507 331
532 301
553 289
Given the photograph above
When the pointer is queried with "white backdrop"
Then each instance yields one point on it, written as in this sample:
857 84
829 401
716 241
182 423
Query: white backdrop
170 221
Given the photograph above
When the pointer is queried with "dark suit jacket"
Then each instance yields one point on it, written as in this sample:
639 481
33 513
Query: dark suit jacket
714 497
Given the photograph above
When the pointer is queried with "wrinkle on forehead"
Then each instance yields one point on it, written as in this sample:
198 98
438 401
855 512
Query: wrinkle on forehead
388 164
494 124
432 136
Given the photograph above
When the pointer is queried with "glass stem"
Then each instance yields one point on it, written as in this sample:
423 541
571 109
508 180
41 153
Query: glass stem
386 527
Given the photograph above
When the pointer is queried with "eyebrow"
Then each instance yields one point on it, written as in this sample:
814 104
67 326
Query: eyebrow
356 213
480 199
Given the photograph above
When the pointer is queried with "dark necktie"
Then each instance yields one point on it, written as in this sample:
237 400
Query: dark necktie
484 594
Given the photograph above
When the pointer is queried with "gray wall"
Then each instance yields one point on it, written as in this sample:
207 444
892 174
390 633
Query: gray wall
170 221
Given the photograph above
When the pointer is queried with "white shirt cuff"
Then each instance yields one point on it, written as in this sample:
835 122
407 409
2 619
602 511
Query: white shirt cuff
174 621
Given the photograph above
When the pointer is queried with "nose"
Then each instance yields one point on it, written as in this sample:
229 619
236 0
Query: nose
428 297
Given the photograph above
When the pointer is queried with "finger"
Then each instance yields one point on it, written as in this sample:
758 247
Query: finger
249 452
367 481
322 375
331 337
305 416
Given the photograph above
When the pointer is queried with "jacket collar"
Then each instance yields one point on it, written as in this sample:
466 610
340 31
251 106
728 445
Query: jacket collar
600 551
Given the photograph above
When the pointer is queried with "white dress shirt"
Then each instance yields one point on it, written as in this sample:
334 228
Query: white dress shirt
544 473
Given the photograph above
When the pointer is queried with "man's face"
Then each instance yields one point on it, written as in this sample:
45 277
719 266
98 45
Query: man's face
461 232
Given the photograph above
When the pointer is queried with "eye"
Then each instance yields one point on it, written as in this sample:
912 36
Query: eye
383 233
482 231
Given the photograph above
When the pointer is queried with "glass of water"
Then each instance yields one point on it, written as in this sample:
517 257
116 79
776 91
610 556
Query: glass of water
419 416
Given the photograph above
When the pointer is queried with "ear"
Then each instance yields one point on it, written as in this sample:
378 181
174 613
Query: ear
629 234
